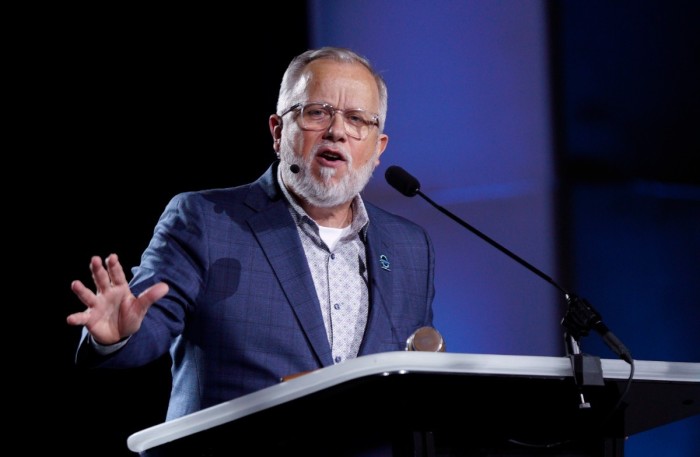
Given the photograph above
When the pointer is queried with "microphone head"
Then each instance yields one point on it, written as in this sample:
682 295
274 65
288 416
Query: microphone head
402 181
294 168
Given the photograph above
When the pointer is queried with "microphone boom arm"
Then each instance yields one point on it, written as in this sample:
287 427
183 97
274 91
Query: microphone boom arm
493 243
580 316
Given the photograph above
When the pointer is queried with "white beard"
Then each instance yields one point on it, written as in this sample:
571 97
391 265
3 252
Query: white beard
322 192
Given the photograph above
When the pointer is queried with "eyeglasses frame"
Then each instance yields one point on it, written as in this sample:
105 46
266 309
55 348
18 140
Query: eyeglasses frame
333 110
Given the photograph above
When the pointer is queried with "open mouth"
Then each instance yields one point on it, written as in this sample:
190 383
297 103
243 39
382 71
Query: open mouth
330 156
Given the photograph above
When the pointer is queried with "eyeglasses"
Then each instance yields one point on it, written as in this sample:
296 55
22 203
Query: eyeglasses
319 116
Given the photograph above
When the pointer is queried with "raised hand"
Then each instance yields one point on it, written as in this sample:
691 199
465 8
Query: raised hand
113 312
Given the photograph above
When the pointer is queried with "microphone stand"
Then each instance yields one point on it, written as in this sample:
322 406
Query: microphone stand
579 319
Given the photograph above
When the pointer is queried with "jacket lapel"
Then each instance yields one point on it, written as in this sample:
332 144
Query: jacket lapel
379 331
276 232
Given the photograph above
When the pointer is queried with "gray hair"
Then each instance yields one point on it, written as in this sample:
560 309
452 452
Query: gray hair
298 64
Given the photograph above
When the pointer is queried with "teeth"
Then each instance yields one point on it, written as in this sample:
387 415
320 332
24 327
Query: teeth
331 156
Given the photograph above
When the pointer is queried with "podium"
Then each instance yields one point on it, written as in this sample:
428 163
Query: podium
438 404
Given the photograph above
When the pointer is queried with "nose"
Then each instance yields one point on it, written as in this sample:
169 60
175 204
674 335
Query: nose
336 129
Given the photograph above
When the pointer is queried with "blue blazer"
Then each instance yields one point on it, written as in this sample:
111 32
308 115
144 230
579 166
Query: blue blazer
242 311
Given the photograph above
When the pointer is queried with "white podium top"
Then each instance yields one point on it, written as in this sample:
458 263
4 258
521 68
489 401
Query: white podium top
399 362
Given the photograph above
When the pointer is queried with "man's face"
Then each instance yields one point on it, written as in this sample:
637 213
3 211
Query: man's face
334 166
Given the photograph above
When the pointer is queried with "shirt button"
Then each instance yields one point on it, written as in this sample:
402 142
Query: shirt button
332 256
336 306
338 359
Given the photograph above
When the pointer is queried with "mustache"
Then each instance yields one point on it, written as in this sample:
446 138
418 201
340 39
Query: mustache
330 150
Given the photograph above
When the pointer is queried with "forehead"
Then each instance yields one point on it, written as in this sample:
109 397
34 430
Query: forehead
343 84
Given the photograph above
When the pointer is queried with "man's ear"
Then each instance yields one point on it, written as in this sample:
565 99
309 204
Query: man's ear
275 124
382 141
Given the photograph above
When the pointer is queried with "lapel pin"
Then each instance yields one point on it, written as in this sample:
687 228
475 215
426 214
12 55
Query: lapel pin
385 262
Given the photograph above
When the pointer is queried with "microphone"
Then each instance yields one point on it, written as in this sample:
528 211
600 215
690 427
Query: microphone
580 316
294 168
402 181
425 339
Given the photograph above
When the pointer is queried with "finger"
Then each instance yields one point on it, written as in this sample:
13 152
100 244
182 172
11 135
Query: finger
85 295
80 318
115 270
152 295
99 275
141 304
155 292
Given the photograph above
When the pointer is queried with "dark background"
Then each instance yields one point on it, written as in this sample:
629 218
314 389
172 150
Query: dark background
128 107
136 106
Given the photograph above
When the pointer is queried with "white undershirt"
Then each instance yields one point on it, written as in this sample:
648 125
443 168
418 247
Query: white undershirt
331 235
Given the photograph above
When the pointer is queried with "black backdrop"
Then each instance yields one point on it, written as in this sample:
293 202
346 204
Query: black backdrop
136 105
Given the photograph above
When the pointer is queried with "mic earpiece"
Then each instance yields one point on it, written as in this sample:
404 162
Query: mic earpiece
294 168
